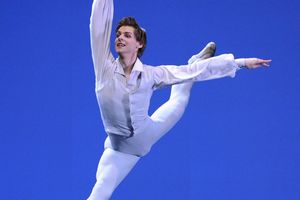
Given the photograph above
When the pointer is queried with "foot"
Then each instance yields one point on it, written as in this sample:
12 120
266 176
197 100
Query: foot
184 89
207 52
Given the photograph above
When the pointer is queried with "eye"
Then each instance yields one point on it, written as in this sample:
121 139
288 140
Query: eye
127 35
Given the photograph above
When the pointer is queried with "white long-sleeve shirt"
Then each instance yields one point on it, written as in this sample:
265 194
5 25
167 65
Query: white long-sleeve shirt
124 104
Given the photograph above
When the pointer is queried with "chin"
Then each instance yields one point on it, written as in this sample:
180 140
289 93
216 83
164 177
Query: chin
119 51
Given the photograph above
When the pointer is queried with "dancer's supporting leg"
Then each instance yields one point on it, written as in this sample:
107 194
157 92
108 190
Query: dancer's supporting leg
167 115
112 169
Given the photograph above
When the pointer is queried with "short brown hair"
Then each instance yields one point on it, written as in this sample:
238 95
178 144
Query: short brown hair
139 33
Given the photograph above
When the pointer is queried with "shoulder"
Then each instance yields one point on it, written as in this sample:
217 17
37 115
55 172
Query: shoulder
148 67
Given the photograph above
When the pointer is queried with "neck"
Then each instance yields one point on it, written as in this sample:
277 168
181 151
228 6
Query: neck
127 63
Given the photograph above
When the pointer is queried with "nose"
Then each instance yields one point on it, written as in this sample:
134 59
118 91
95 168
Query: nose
120 37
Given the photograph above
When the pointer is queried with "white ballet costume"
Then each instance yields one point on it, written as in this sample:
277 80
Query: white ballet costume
124 103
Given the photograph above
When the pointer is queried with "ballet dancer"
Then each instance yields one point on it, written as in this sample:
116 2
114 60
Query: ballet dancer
125 85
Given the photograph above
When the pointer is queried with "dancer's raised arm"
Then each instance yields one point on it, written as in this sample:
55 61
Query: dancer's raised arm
100 31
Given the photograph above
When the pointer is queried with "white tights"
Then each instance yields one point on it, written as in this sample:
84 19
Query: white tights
114 166
112 169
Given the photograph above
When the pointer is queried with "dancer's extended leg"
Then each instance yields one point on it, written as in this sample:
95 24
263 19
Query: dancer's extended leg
112 169
167 115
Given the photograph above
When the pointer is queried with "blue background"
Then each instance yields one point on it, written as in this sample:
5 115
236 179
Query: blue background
239 138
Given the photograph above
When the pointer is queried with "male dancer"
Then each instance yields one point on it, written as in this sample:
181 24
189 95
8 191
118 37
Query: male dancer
124 87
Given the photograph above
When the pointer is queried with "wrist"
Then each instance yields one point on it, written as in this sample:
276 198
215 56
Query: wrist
241 62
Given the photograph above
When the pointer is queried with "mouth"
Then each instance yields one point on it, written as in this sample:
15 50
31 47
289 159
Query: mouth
120 45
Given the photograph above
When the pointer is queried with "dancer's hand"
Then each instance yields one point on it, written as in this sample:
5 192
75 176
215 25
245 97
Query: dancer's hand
253 63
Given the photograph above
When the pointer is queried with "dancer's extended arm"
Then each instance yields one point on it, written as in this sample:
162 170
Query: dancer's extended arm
100 31
200 70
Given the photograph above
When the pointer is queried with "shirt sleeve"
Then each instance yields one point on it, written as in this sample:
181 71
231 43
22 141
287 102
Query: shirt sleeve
201 70
100 32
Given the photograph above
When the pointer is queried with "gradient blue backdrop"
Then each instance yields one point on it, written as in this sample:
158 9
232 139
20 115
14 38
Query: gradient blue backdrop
239 138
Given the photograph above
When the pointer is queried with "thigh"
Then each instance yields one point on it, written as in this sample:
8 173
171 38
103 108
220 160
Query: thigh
165 118
140 143
114 166
112 169
168 114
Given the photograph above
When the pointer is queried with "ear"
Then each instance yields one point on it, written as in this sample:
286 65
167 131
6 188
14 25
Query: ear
139 45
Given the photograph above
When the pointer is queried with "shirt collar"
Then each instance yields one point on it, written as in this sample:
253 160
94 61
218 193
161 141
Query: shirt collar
138 66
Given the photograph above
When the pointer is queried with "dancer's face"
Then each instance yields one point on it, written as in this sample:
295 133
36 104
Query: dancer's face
126 42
